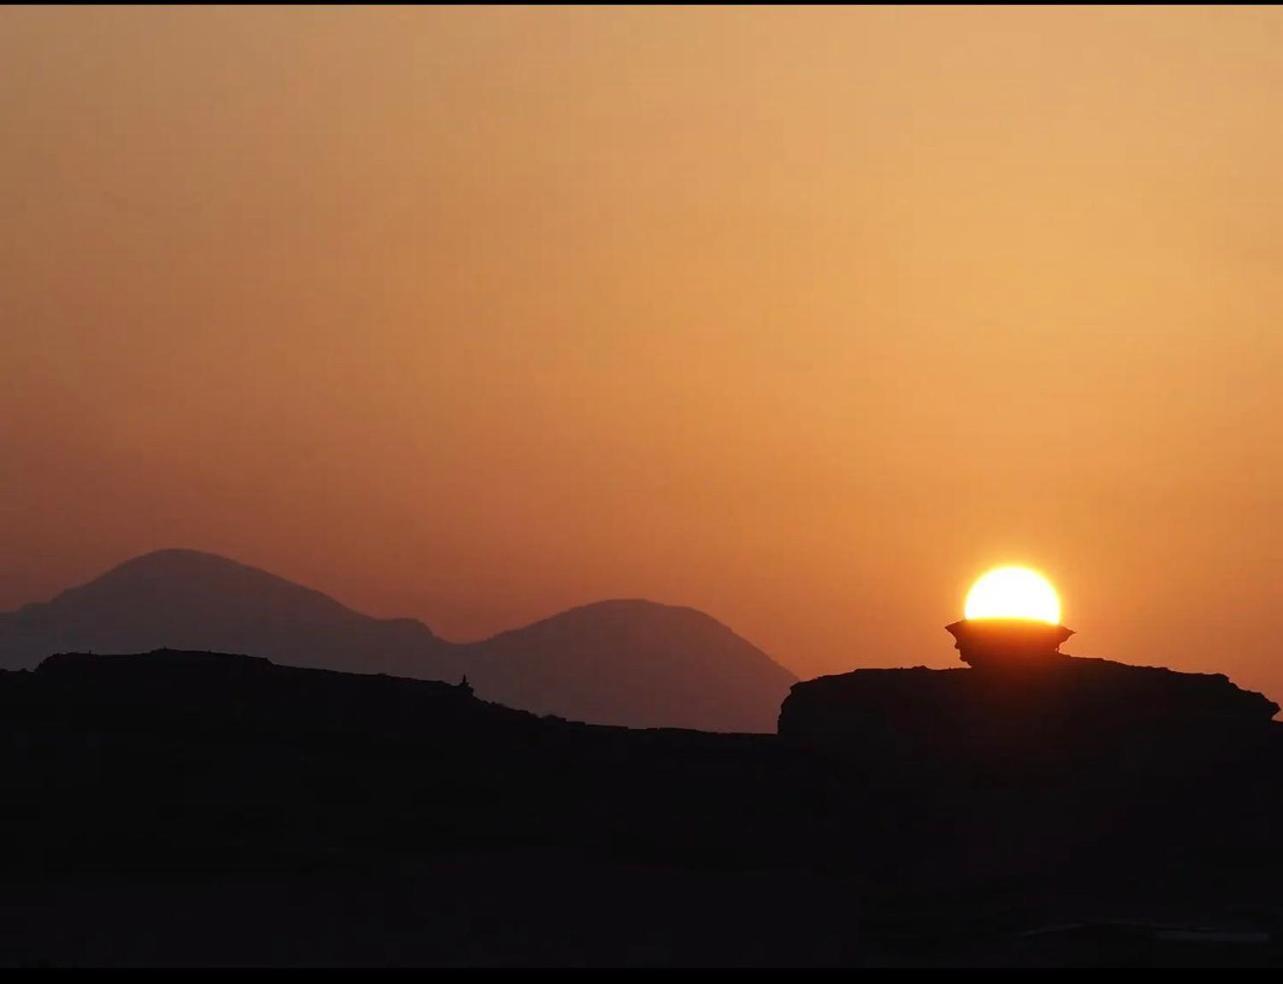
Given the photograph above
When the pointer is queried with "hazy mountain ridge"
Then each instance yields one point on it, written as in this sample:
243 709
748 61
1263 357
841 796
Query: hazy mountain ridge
629 662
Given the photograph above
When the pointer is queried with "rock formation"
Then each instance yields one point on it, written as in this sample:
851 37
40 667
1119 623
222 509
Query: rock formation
177 808
1056 706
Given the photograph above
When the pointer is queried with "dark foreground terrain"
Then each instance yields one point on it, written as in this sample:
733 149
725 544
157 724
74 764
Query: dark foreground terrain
205 809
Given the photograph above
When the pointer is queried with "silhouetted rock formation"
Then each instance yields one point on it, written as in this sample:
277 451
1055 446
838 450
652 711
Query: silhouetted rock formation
632 663
1062 776
1011 642
196 808
1062 706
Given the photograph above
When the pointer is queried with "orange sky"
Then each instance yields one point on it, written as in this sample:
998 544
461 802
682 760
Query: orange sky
803 318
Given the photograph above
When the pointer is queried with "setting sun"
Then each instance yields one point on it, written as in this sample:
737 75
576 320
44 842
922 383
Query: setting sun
1013 592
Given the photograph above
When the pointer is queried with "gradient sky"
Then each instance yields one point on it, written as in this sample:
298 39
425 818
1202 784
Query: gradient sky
801 317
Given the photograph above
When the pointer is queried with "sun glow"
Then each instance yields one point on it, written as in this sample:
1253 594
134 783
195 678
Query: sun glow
1013 592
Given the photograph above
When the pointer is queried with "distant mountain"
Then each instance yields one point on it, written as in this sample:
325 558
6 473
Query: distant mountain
183 599
633 663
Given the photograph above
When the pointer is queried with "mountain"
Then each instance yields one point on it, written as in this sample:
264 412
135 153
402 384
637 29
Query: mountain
633 663
184 599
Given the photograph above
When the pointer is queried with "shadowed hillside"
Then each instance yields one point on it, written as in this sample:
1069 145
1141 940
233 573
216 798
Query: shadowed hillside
619 662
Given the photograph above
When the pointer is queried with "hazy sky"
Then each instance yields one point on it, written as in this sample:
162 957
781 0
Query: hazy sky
801 317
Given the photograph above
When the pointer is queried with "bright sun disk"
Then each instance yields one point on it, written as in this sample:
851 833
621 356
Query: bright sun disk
1013 592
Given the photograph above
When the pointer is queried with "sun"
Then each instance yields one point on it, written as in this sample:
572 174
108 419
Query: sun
1013 592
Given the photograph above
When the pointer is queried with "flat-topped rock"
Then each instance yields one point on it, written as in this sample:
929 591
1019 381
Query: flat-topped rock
1045 710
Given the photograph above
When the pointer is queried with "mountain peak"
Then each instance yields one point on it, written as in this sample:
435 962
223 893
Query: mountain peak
178 559
183 576
182 562
630 608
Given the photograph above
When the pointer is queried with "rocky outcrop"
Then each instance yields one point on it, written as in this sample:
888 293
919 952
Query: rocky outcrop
1065 710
